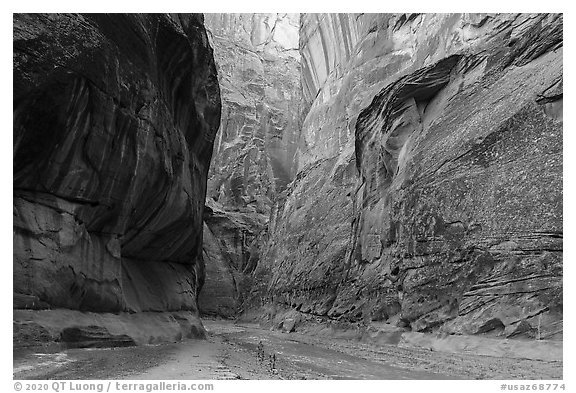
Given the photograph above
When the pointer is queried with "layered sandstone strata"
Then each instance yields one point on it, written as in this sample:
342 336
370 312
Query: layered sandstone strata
114 122
232 242
429 185
259 73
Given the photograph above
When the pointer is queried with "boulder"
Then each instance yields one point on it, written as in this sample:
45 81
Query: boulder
288 325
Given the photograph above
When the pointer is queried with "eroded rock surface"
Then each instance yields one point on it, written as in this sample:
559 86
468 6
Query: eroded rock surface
259 73
429 185
232 241
114 122
254 153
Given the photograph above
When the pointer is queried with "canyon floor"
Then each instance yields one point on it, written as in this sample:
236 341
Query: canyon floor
233 351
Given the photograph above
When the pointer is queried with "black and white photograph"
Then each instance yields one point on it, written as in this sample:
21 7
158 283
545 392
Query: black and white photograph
201 197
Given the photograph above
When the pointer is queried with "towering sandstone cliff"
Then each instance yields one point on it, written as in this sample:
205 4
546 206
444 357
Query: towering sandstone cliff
415 161
259 74
258 69
429 184
114 122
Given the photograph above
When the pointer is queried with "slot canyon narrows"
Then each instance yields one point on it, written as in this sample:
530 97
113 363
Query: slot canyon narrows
288 196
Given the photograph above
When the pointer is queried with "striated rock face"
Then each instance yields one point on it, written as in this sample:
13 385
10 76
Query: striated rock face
259 73
231 252
429 185
114 122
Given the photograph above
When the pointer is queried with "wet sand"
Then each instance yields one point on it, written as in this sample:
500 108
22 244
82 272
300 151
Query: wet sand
244 352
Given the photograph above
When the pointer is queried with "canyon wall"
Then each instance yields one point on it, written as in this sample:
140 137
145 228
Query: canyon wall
114 122
429 186
259 73
254 153
231 253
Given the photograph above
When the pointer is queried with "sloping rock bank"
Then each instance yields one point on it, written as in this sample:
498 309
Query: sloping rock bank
72 328
429 186
114 121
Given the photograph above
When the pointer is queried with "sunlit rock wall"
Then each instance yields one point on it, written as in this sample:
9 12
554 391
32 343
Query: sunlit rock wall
429 184
259 74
